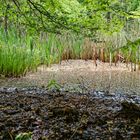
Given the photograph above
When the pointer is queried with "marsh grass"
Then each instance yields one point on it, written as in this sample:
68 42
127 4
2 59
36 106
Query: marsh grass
22 53
17 56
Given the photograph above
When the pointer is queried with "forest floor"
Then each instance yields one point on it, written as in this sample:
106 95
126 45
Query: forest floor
64 115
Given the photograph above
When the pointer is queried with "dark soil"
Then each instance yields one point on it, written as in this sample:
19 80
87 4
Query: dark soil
64 115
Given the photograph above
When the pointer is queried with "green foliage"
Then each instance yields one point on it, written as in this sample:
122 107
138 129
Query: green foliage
53 85
65 24
20 54
16 55
24 136
57 16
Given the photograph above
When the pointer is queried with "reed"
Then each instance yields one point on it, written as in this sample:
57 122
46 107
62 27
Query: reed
17 56
25 52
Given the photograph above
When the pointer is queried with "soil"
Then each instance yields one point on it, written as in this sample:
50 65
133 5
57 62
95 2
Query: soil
64 114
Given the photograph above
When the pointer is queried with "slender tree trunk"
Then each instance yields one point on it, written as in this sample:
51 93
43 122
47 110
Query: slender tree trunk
6 19
6 22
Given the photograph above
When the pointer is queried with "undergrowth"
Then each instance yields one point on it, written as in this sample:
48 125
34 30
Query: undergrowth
20 53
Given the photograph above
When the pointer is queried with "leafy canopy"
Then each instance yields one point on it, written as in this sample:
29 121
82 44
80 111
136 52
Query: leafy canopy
82 16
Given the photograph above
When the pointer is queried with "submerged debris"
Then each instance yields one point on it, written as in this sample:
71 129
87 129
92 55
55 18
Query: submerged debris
68 115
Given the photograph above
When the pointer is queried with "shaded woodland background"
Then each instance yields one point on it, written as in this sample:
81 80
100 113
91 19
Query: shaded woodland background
35 32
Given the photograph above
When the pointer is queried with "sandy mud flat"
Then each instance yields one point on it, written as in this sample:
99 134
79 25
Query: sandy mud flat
103 77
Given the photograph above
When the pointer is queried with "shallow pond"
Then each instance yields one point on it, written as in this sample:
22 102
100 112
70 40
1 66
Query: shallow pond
114 79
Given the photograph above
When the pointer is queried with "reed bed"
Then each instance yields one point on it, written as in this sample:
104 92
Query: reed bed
25 52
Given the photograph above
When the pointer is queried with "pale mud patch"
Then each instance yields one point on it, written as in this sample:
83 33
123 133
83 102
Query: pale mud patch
73 72
82 65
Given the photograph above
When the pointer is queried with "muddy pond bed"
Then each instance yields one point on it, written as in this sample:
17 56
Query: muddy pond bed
63 114
103 77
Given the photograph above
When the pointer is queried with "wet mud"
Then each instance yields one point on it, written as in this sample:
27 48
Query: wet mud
68 115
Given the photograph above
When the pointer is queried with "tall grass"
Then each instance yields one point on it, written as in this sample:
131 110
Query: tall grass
16 55
20 53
